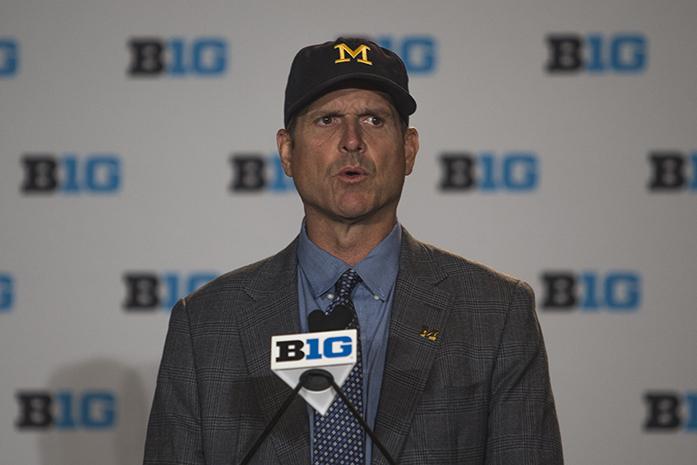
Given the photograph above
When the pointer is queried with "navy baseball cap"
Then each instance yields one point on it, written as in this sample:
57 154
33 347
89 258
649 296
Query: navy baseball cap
318 69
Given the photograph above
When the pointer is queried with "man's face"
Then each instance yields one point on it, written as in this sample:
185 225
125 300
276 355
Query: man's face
349 156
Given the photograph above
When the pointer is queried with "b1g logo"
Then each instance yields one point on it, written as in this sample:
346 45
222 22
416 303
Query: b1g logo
331 351
150 291
202 56
253 172
97 173
590 291
313 348
66 410
671 411
673 171
6 292
595 53
489 172
418 52
9 57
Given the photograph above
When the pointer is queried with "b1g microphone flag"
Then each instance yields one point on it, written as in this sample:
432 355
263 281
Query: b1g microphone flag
333 351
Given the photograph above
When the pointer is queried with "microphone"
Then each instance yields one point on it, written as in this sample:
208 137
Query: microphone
338 319
318 321
333 351
315 364
309 363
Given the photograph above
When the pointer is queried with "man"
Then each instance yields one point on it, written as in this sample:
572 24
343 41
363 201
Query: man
453 367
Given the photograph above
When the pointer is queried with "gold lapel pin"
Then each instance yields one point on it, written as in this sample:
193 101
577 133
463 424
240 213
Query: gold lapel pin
430 334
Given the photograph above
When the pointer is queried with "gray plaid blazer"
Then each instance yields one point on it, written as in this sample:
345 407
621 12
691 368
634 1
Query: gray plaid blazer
477 394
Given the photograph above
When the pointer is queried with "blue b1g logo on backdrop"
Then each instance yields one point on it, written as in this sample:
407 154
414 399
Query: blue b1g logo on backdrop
671 411
177 57
68 173
418 52
9 57
624 53
615 291
66 410
7 292
515 171
673 171
255 172
150 291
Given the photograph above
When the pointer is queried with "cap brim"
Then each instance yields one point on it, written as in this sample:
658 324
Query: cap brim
404 102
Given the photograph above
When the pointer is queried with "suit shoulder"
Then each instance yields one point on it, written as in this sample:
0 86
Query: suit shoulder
235 279
455 265
473 276
275 268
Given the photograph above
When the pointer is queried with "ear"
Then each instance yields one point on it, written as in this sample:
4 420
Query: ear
411 147
285 150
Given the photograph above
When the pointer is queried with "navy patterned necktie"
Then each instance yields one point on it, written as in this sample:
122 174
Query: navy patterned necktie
338 437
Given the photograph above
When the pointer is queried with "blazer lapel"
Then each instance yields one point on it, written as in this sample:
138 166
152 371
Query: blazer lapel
418 304
275 311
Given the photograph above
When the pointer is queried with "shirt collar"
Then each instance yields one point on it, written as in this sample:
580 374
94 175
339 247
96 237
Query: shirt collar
378 270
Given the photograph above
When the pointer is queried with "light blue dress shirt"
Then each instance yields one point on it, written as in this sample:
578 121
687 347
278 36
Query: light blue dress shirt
318 272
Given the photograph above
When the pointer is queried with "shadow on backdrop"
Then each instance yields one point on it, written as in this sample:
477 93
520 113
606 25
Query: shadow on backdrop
116 389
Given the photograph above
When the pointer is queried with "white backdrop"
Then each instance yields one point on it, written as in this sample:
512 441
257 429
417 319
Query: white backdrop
143 176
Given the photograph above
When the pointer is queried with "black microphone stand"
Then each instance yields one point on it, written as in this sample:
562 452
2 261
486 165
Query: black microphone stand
316 380
272 423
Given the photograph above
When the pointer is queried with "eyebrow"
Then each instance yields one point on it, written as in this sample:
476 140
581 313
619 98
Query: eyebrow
382 111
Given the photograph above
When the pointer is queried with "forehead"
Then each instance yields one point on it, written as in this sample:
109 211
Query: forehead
353 99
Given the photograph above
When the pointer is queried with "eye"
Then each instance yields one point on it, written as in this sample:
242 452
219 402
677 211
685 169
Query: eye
325 120
374 120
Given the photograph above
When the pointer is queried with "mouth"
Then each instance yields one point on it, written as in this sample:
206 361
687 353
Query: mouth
352 174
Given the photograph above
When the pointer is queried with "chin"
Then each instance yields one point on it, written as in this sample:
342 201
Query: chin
353 214
359 212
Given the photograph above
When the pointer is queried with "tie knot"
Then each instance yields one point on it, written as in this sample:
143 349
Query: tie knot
346 283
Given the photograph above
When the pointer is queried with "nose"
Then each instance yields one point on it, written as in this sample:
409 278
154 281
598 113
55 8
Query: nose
352 136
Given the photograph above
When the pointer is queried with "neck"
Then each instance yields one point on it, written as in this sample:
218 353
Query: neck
350 242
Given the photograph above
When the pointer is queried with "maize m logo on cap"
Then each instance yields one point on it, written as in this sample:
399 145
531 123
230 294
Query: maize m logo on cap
418 52
361 50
